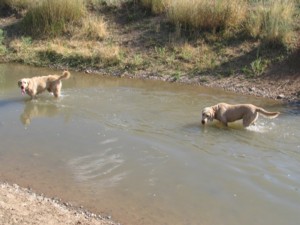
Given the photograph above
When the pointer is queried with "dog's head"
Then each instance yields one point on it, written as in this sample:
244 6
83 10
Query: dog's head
23 84
208 114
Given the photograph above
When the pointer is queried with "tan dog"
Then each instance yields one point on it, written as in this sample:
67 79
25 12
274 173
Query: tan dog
226 113
36 85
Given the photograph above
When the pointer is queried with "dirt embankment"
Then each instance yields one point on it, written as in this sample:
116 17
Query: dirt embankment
281 81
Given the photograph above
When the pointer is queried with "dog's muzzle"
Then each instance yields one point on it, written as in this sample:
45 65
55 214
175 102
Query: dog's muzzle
23 90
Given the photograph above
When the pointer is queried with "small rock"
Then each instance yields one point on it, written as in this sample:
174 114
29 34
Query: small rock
281 96
252 89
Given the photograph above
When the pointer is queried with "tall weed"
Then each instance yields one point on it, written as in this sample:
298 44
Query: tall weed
50 17
207 14
203 14
272 21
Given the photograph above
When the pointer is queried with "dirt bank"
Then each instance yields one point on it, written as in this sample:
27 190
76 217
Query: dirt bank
145 46
22 206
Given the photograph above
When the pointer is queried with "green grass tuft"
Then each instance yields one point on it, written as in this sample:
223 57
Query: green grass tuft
2 46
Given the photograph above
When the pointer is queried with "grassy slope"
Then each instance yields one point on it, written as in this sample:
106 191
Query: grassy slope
142 45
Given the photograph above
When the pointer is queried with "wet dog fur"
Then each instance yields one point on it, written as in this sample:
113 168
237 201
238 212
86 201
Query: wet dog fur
226 113
36 85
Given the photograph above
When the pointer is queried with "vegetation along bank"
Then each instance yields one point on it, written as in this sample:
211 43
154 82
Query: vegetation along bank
245 46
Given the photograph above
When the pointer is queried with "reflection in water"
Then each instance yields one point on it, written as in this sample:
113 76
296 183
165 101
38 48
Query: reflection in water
41 108
34 109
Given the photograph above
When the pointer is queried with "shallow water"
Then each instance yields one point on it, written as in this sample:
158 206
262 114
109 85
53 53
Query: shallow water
136 150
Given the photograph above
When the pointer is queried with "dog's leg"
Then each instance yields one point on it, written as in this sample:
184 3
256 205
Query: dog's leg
32 95
223 120
250 119
246 121
255 118
225 124
57 89
56 93
246 124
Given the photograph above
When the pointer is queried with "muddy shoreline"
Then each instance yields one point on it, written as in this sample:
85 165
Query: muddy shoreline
284 88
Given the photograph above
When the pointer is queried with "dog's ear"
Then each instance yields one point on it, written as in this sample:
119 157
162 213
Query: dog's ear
211 114
215 108
19 83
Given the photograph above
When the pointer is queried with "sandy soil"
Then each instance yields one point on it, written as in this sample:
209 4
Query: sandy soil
22 206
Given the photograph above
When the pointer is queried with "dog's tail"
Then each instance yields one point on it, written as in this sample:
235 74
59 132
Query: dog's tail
266 113
66 75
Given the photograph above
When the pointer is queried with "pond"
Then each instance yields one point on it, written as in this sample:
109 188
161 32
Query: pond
136 150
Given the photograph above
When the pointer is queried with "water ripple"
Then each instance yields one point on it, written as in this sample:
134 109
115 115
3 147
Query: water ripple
101 168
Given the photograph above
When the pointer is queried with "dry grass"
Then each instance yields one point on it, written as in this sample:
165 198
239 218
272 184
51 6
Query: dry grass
56 17
85 42
16 4
207 14
156 6
91 27
50 17
89 50
70 36
203 14
269 20
74 53
272 21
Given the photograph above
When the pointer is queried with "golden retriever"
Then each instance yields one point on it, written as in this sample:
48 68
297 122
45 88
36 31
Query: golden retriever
226 113
36 85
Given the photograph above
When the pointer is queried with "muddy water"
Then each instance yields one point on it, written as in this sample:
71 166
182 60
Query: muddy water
136 150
